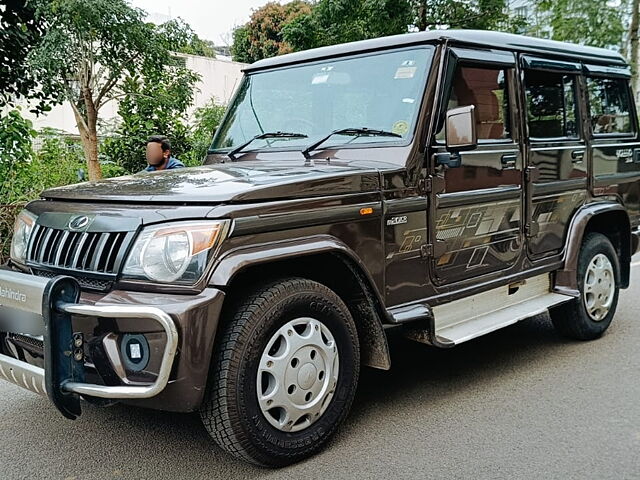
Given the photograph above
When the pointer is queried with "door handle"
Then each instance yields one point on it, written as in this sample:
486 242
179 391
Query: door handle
508 161
577 156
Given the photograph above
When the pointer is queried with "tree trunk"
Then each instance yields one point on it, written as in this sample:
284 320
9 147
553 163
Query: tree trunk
633 41
421 15
89 134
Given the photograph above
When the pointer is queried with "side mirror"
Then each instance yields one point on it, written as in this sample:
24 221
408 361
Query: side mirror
460 129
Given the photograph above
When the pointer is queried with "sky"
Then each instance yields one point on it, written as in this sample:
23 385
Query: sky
211 19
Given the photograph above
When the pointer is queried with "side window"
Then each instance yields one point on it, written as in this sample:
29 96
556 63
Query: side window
609 105
551 104
486 89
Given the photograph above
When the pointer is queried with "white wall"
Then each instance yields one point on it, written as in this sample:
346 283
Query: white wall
220 78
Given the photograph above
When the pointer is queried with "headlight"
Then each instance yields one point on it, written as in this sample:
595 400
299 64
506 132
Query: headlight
174 253
21 233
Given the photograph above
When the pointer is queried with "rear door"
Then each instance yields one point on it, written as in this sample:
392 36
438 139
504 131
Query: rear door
476 213
557 155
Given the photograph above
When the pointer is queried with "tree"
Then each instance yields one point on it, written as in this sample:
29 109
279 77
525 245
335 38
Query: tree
276 29
179 36
154 101
633 44
88 49
241 44
261 37
478 14
16 134
340 21
20 31
599 24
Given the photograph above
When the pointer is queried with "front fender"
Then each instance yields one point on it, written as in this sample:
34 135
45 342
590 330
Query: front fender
368 310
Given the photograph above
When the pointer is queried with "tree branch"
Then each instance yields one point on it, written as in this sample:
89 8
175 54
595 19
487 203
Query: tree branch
113 80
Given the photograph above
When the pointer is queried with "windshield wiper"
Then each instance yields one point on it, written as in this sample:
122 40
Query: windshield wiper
232 154
354 132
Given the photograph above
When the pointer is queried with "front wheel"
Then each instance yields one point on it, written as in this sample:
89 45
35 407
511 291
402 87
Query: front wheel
589 316
284 375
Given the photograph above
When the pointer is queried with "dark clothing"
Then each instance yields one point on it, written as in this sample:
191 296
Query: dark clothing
171 164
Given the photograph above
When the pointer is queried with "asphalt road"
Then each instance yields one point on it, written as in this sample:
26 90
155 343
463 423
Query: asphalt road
518 403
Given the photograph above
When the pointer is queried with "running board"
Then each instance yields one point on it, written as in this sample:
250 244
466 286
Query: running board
461 320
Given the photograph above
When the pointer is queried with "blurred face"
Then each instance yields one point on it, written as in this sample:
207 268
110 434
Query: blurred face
155 155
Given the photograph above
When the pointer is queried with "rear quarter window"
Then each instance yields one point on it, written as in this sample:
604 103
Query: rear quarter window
609 106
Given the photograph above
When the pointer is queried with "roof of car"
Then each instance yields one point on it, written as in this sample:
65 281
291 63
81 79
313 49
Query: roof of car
480 38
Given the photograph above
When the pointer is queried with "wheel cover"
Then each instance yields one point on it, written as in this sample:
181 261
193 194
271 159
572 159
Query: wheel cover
297 374
599 287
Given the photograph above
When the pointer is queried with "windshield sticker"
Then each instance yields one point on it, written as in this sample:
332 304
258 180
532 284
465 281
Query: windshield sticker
320 78
401 127
406 70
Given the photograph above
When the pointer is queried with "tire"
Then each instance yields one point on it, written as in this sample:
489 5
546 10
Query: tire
587 317
255 339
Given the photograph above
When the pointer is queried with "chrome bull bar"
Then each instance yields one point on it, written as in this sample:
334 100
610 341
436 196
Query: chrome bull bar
33 305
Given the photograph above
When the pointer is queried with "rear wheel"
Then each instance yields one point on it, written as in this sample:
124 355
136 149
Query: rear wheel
589 316
284 375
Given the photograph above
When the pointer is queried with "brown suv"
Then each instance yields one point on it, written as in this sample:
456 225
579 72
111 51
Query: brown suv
444 183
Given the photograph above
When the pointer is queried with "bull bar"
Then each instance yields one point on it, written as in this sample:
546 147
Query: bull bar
33 305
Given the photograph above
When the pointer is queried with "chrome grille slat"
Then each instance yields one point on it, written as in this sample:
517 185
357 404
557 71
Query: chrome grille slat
35 235
89 253
98 253
63 240
43 245
66 262
78 250
51 253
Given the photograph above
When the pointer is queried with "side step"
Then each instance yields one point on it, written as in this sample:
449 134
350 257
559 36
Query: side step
471 317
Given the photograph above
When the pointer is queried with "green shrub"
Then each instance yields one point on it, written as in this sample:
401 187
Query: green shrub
207 119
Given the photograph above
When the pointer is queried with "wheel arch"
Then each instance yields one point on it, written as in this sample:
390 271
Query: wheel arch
324 259
608 218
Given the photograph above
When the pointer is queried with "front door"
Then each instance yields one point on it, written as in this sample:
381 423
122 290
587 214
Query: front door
476 213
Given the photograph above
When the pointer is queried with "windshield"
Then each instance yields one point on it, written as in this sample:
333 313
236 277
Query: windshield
381 91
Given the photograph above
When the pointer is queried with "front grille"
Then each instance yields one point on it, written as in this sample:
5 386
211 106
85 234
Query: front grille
92 252
31 343
87 283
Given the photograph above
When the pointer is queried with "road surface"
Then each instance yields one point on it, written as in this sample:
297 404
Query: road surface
519 403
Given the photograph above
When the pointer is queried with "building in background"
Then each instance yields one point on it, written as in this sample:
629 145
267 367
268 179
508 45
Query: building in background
538 24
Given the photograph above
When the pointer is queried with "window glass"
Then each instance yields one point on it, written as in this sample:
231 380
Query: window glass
487 90
551 104
381 91
609 105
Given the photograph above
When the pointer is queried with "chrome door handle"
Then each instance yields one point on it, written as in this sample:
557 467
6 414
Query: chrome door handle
508 161
577 156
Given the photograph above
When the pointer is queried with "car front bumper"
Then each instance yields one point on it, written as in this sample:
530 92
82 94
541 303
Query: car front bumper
80 338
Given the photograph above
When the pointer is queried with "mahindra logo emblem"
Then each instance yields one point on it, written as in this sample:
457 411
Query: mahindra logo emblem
78 223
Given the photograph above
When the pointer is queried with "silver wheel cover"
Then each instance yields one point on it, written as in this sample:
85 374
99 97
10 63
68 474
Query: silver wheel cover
599 287
297 374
